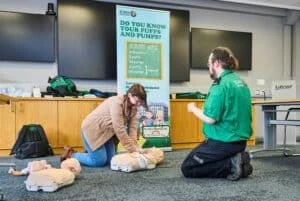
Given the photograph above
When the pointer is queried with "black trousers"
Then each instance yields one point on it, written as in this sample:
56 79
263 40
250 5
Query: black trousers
211 159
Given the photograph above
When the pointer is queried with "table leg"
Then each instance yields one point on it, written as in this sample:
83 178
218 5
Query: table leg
269 131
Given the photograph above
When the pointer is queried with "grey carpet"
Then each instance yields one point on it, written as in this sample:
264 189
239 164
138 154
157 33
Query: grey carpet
274 178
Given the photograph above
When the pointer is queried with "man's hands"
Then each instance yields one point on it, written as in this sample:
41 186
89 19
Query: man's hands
191 107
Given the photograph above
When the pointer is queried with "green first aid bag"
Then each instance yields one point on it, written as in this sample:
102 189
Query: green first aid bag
62 86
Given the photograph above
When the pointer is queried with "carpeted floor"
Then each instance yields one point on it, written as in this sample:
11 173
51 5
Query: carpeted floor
275 178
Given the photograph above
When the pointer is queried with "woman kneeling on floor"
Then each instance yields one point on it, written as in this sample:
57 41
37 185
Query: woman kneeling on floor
113 121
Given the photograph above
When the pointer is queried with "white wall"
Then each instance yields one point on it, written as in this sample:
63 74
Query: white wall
296 63
296 55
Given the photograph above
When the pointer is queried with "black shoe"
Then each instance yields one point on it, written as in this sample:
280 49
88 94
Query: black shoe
247 168
68 151
245 157
236 167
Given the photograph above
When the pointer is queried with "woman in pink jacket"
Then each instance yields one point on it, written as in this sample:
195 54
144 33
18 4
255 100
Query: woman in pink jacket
113 121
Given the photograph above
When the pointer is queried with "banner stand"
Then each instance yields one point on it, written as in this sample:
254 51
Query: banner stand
143 57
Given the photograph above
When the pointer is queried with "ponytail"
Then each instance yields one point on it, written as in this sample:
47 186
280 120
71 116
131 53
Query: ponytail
225 56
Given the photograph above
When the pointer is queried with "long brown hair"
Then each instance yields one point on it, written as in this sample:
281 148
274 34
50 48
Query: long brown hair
139 91
225 56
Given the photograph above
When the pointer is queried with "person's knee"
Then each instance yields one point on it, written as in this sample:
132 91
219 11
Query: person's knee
185 170
99 163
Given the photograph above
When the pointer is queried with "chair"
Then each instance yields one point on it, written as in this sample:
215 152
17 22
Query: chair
286 152
286 122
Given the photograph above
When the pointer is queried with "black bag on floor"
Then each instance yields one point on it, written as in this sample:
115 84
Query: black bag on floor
31 143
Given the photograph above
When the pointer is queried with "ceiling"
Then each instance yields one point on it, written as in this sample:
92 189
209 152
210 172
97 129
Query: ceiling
289 10
292 7
286 4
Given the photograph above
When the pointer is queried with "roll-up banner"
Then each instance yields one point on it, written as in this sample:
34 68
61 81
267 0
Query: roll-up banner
143 57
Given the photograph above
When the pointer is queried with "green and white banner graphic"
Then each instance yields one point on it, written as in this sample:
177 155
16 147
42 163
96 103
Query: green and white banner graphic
143 57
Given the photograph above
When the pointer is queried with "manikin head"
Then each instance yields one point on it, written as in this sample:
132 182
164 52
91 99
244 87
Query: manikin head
71 164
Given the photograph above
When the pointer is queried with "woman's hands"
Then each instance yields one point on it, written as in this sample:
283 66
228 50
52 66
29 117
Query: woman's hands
141 150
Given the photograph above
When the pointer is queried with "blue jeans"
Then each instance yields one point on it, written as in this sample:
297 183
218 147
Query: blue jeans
97 158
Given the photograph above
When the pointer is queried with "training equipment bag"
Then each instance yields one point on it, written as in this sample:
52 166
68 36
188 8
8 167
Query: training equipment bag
31 143
62 86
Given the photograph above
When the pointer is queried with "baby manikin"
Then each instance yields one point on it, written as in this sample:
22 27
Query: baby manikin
41 176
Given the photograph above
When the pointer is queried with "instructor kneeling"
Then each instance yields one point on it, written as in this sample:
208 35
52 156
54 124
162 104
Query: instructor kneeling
227 123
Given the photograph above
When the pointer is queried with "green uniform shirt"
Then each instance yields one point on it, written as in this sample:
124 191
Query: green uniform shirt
229 103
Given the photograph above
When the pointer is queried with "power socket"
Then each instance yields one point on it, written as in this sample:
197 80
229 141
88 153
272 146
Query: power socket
257 92
260 92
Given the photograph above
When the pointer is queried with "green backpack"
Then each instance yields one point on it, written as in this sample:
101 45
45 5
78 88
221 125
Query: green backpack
62 86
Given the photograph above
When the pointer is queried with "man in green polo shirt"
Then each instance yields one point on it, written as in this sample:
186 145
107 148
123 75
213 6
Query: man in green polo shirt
227 123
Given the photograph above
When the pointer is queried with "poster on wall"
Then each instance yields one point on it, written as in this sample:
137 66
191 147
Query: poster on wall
143 57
